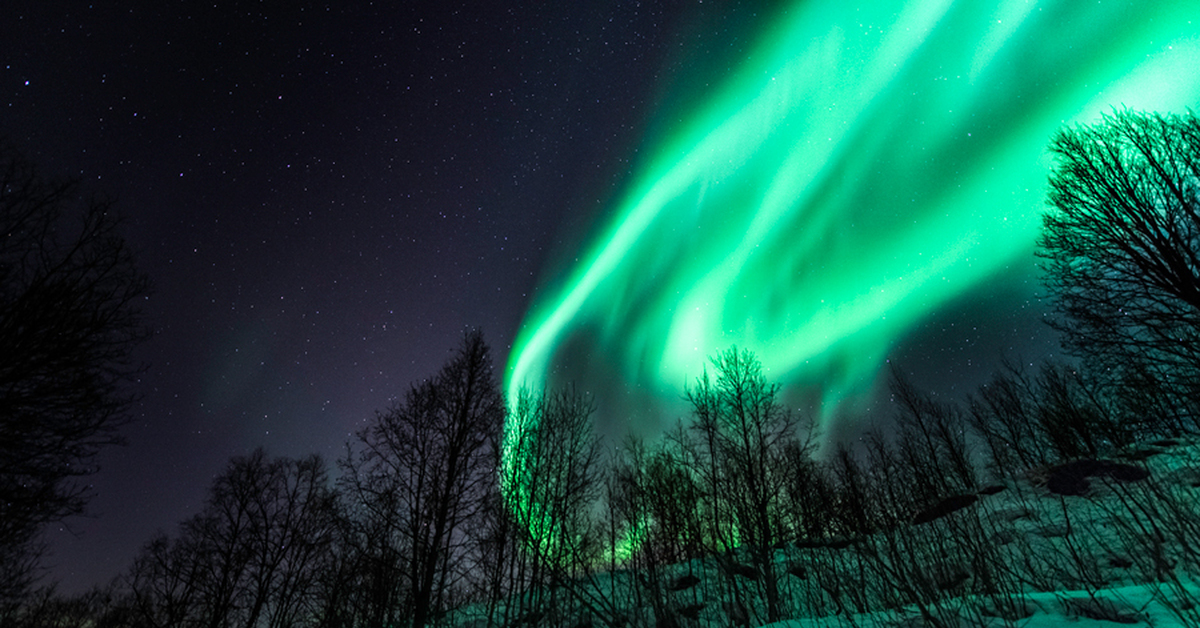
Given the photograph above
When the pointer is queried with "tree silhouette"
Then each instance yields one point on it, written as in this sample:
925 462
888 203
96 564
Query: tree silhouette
423 472
69 321
553 477
1122 247
745 433
252 557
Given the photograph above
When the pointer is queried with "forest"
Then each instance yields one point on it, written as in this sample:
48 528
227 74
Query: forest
1069 484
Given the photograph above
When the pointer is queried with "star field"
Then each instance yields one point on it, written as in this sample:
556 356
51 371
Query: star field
324 195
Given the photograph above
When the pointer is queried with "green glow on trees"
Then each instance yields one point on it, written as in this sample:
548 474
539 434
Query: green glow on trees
867 163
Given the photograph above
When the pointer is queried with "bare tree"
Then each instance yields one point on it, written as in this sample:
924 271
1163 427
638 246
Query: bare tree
1030 419
291 542
424 469
98 607
164 582
1122 247
366 584
656 498
746 433
932 443
553 477
250 558
69 320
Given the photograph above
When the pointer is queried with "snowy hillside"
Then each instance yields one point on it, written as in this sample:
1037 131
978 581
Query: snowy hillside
1088 543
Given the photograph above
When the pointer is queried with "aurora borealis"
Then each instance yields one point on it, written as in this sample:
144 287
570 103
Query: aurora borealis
327 194
866 164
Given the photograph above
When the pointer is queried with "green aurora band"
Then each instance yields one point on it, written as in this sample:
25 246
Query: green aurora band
866 164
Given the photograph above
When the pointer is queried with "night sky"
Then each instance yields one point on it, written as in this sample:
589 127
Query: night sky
326 196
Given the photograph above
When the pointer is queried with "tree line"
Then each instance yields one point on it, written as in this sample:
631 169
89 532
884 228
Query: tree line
458 507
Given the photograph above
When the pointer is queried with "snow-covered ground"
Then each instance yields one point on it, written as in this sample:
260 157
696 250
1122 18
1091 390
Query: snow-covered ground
1125 551
1135 605
1133 541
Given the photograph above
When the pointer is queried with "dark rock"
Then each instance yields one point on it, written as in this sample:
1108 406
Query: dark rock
945 507
684 582
1120 562
952 580
1126 472
840 543
1071 478
1004 537
737 569
691 611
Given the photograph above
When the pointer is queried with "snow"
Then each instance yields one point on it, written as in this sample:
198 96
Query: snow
1130 546
1100 522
